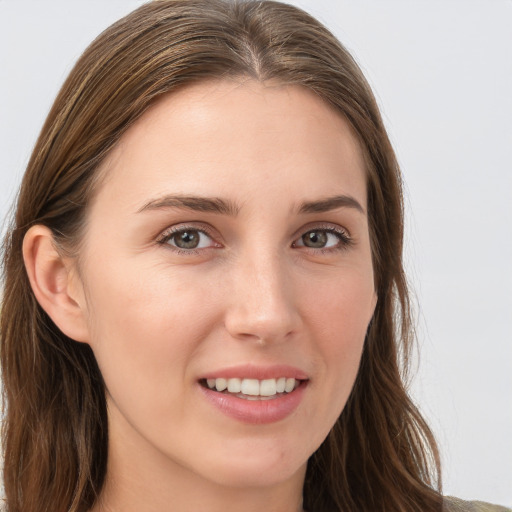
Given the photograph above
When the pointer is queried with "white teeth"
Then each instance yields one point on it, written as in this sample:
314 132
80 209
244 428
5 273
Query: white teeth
268 387
290 384
234 385
281 384
250 387
254 387
220 384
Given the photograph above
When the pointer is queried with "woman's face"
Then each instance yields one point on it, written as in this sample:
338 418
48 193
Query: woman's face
228 245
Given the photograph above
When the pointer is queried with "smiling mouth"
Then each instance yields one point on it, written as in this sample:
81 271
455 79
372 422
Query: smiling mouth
253 389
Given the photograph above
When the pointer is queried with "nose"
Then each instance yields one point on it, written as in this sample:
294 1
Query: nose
261 301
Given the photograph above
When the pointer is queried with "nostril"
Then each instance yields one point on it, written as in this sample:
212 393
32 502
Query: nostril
262 307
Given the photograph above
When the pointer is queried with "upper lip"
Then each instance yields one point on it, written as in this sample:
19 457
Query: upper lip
251 371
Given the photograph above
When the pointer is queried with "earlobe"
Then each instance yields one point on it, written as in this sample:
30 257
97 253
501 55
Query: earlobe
54 283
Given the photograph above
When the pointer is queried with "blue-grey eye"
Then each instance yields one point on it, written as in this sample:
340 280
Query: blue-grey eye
190 239
315 239
319 239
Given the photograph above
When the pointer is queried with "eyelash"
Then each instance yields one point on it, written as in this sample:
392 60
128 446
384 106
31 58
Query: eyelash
344 239
170 233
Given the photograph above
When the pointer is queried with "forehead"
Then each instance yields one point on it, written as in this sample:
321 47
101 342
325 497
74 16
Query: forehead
237 137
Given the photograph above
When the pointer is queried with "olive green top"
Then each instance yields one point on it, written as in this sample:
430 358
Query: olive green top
457 505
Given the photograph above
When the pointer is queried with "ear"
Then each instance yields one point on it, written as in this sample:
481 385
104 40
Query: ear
55 283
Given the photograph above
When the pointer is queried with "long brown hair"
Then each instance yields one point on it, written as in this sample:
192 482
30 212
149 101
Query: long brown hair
380 455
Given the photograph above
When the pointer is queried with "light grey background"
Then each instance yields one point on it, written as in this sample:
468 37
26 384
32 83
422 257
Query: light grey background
442 73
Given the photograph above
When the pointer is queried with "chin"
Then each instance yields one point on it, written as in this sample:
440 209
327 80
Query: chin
257 469
257 477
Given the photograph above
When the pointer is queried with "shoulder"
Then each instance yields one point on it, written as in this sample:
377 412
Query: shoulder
451 504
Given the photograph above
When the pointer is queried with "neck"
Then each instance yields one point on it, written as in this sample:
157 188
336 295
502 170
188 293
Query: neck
145 497
181 491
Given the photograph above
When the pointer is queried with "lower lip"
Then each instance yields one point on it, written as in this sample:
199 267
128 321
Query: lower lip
256 411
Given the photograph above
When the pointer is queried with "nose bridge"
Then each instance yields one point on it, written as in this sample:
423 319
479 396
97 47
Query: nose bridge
261 305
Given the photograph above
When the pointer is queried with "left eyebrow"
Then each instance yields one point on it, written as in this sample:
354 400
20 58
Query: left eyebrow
194 203
331 203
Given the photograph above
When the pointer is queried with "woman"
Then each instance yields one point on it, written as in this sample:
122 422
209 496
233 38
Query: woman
211 311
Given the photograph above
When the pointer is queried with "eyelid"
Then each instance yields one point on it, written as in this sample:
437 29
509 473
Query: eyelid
205 229
345 238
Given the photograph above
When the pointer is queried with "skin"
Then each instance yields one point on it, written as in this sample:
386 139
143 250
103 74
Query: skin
158 318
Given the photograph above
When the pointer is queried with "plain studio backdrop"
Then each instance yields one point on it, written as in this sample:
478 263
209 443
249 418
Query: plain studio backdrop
442 74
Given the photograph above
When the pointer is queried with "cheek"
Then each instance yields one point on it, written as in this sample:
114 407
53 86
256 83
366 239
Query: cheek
338 315
143 297
146 329
145 320
341 306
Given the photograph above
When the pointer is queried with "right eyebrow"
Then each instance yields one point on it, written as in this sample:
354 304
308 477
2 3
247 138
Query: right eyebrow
194 203
331 203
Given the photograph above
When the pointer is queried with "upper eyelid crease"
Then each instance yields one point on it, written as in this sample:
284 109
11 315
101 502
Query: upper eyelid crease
174 230
325 226
343 236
